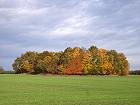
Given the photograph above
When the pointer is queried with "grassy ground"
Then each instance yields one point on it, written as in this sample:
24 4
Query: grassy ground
69 90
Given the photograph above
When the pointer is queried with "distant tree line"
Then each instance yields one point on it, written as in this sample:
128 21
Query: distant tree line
73 61
135 72
1 69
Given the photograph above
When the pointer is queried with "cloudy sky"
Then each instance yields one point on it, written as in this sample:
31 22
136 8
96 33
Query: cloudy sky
53 25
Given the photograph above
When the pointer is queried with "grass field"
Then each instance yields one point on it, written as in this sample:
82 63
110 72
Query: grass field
69 90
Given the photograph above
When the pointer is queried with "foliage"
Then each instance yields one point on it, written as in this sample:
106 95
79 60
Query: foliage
93 61
87 63
74 67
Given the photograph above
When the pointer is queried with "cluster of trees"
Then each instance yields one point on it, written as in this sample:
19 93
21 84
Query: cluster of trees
73 61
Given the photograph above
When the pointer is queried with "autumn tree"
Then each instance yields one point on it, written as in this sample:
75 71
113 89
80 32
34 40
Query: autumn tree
26 67
16 65
86 63
53 64
74 63
105 65
114 60
25 63
123 64
95 60
43 62
74 67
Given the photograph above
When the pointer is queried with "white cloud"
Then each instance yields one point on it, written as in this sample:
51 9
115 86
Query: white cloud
74 26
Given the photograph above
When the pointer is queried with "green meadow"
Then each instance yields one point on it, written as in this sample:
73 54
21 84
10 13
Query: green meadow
22 89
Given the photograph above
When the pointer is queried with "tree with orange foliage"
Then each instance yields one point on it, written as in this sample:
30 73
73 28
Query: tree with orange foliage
74 67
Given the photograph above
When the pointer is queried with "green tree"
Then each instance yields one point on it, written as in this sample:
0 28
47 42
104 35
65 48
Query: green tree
16 65
123 64
95 60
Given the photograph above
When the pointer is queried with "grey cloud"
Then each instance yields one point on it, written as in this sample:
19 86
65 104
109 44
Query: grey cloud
56 24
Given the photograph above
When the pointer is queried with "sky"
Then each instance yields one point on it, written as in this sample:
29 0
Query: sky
53 25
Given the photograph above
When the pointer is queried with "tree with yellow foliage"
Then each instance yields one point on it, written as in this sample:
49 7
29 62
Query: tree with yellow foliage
26 67
86 63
